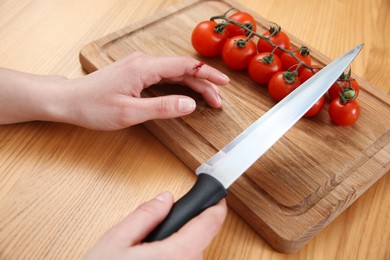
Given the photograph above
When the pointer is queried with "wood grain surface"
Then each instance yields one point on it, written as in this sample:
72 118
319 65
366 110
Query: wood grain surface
302 183
62 186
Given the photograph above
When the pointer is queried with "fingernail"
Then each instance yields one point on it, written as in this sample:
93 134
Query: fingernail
165 196
225 77
186 105
219 99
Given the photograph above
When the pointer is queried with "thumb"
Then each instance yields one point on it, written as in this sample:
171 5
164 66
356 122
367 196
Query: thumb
138 224
168 106
133 228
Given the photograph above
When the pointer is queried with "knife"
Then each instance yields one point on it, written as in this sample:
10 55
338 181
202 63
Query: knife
220 171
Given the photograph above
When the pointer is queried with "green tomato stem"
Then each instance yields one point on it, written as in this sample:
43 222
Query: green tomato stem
250 32
344 97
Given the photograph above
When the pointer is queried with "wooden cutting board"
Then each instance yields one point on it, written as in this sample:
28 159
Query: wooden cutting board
307 178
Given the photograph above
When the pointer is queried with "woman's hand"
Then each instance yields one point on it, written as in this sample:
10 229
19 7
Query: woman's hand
124 240
108 99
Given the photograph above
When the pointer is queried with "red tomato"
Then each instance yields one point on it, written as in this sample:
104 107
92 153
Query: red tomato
236 53
344 114
281 84
263 66
306 74
336 89
316 108
208 38
243 18
278 38
290 63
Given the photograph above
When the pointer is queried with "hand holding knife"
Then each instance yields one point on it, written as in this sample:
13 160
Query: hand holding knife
217 174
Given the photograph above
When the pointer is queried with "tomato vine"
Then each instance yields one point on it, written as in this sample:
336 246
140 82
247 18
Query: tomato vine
274 62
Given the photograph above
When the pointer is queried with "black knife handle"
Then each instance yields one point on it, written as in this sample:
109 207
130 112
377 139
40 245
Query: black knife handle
206 192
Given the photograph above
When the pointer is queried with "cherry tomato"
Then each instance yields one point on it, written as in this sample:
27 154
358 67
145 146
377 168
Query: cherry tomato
263 66
316 108
290 63
344 113
278 38
281 84
336 89
208 38
243 18
237 53
306 74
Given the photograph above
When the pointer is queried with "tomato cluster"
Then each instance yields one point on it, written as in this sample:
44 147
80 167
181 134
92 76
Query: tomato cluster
343 109
272 61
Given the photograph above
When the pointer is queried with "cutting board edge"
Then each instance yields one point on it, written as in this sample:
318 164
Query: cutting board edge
290 243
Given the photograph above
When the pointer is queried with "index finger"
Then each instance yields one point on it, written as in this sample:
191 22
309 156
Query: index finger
180 66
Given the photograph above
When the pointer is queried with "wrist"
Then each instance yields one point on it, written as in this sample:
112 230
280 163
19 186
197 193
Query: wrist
27 97
58 100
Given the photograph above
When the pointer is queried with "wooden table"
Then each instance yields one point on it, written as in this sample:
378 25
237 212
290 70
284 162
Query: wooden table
62 186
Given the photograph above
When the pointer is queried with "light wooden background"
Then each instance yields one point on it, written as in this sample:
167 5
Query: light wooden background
62 186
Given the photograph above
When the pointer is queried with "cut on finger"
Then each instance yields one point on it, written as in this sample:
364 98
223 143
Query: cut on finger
203 71
173 68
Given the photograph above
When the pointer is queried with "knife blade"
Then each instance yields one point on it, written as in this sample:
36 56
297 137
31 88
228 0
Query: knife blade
217 174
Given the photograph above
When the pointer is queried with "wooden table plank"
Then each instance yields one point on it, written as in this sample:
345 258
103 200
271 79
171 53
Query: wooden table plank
45 210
